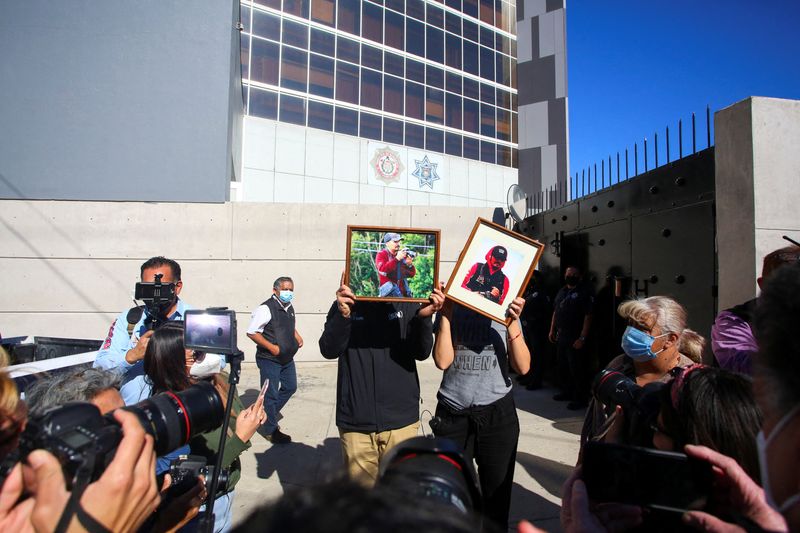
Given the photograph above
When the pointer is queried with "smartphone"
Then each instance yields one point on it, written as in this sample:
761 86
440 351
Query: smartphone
667 481
263 389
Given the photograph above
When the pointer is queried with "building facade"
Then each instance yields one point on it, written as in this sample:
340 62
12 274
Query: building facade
379 102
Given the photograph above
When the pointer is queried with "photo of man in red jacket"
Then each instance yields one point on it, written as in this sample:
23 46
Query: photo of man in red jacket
395 265
488 279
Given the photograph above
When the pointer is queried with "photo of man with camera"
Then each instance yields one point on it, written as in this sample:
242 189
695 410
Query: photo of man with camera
488 279
395 265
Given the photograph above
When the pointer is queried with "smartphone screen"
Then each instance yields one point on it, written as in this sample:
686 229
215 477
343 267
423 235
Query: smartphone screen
644 476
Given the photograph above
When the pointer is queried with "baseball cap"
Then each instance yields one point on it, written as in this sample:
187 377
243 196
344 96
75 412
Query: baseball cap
392 237
499 252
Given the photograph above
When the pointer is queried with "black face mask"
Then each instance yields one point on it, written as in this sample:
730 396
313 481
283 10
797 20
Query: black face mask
572 280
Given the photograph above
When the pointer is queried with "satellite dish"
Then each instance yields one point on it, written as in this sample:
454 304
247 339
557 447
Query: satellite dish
517 203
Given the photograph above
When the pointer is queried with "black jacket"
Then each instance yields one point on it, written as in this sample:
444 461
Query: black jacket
378 346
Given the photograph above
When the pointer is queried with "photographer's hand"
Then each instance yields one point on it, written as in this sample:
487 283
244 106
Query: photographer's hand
345 299
15 515
733 488
435 302
137 352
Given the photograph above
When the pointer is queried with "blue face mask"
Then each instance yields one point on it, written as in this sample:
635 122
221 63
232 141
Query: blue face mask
286 296
638 345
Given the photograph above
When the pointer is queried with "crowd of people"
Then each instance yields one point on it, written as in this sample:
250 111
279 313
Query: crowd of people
739 415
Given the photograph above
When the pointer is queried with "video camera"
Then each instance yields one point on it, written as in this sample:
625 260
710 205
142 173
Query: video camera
157 298
640 405
84 441
210 330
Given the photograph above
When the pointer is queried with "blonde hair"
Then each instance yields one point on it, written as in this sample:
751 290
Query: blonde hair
670 316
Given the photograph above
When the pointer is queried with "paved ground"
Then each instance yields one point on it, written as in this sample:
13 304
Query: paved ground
548 444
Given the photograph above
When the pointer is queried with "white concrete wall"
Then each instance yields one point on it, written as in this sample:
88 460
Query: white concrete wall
70 267
757 189
287 163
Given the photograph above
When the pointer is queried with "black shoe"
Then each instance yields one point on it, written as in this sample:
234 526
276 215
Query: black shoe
562 397
279 438
576 406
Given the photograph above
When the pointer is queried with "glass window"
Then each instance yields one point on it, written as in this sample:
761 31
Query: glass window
503 99
372 28
503 125
515 158
435 45
487 120
348 16
487 37
264 62
371 57
295 34
472 148
504 155
394 30
513 73
435 16
266 25
320 76
487 93
371 88
293 110
514 127
415 70
452 23
502 44
503 69
415 37
434 77
513 101
452 144
294 69
415 136
471 57
434 140
453 51
487 11
470 30
393 95
397 5
263 104
471 8
371 126
416 9
434 110
415 100
487 152
296 7
471 88
392 130
471 108
346 49
455 4
453 83
244 43
395 64
487 63
245 18
513 52
323 42
452 109
346 83
346 121
275 4
323 11
320 115
498 14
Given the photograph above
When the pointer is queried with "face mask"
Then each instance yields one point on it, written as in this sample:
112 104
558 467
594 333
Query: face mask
286 296
638 345
571 280
762 444
210 365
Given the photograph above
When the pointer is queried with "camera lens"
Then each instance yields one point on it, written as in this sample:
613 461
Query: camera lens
173 418
615 388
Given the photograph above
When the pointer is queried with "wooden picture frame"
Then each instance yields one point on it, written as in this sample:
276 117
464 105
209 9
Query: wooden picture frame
489 294
410 280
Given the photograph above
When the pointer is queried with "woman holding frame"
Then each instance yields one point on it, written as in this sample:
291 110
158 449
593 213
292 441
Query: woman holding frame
476 407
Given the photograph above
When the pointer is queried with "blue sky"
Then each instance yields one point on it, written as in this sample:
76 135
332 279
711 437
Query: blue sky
635 67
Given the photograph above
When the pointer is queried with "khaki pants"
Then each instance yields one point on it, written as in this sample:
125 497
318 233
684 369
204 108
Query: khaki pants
363 451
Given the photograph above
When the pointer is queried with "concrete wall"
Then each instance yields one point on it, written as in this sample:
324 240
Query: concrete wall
119 100
757 189
70 267
288 163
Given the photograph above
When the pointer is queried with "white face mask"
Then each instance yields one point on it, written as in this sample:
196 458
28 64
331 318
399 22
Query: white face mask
210 365
762 444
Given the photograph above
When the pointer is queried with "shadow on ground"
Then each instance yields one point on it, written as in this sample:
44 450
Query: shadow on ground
300 464
540 403
527 505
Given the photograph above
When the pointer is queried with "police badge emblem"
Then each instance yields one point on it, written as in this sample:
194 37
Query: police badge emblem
387 165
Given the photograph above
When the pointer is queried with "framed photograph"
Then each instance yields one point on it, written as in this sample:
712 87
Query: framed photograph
493 269
398 264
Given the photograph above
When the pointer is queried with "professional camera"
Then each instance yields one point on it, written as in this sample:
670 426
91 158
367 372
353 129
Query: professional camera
410 253
640 405
432 468
157 298
84 440
184 472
